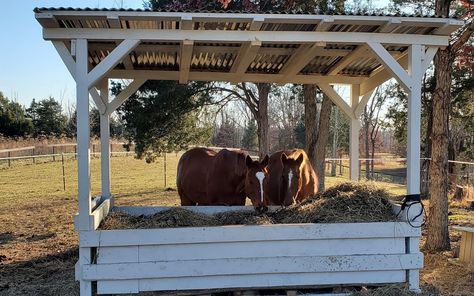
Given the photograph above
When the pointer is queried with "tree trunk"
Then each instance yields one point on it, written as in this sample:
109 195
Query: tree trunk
334 142
310 121
372 157
438 235
322 140
425 166
262 119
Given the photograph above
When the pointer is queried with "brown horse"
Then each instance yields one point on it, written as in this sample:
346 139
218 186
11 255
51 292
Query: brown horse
292 178
207 177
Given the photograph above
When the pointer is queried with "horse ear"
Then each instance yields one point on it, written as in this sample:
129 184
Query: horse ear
264 162
300 159
248 161
283 157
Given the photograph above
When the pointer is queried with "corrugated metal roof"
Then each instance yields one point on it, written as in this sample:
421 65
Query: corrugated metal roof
357 13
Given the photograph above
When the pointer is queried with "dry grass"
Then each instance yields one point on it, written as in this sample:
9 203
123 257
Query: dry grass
38 245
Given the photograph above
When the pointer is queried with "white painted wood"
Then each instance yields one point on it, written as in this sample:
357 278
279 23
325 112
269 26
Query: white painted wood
354 135
260 249
185 60
111 60
101 212
299 59
336 98
242 36
379 77
391 65
83 136
116 287
256 23
66 56
105 141
390 25
247 53
85 259
219 76
363 102
186 23
414 119
410 213
99 103
325 23
47 20
357 53
239 233
262 281
125 94
245 266
151 210
428 57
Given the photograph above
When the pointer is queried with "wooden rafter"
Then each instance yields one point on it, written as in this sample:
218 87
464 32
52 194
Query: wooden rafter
357 53
185 60
299 59
247 53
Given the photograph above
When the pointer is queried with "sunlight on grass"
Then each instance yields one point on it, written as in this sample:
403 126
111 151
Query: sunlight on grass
130 177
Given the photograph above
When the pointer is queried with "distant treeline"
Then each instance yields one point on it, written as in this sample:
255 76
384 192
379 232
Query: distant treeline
46 118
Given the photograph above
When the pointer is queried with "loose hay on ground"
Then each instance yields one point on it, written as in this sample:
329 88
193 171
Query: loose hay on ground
344 203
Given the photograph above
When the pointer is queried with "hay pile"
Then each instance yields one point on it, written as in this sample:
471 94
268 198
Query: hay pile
395 290
347 202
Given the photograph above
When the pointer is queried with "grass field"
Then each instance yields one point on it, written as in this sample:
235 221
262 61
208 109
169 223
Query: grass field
38 245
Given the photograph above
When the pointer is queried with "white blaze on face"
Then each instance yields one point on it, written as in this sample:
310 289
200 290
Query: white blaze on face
290 176
260 176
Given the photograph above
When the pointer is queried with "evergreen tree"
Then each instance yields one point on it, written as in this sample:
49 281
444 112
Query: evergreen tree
249 141
48 118
13 120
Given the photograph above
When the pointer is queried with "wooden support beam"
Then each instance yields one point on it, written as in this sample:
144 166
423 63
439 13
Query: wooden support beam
110 61
428 57
390 25
391 64
98 100
83 137
242 36
447 28
47 20
358 52
299 59
256 23
186 23
218 76
66 56
125 94
105 141
114 23
354 135
324 24
185 60
381 76
336 98
415 53
362 103
247 53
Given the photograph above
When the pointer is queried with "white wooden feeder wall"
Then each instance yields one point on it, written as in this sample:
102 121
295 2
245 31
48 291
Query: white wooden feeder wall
357 50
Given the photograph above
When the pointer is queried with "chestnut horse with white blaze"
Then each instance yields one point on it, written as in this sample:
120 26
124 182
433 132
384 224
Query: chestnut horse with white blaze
292 178
206 177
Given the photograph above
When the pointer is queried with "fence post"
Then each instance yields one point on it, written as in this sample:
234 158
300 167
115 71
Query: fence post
165 168
75 151
64 175
340 166
9 160
110 149
54 157
33 154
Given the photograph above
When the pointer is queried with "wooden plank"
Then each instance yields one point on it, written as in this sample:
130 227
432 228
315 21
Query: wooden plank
246 266
240 233
357 53
247 53
309 280
185 60
283 37
299 59
115 287
260 249
336 99
100 212
221 76
125 94
151 210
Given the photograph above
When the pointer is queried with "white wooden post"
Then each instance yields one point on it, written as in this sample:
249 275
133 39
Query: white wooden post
354 135
84 221
415 55
104 141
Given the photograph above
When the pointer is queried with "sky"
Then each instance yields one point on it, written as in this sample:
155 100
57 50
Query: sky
30 66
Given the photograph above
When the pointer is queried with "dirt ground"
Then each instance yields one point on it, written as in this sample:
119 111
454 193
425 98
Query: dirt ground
37 255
